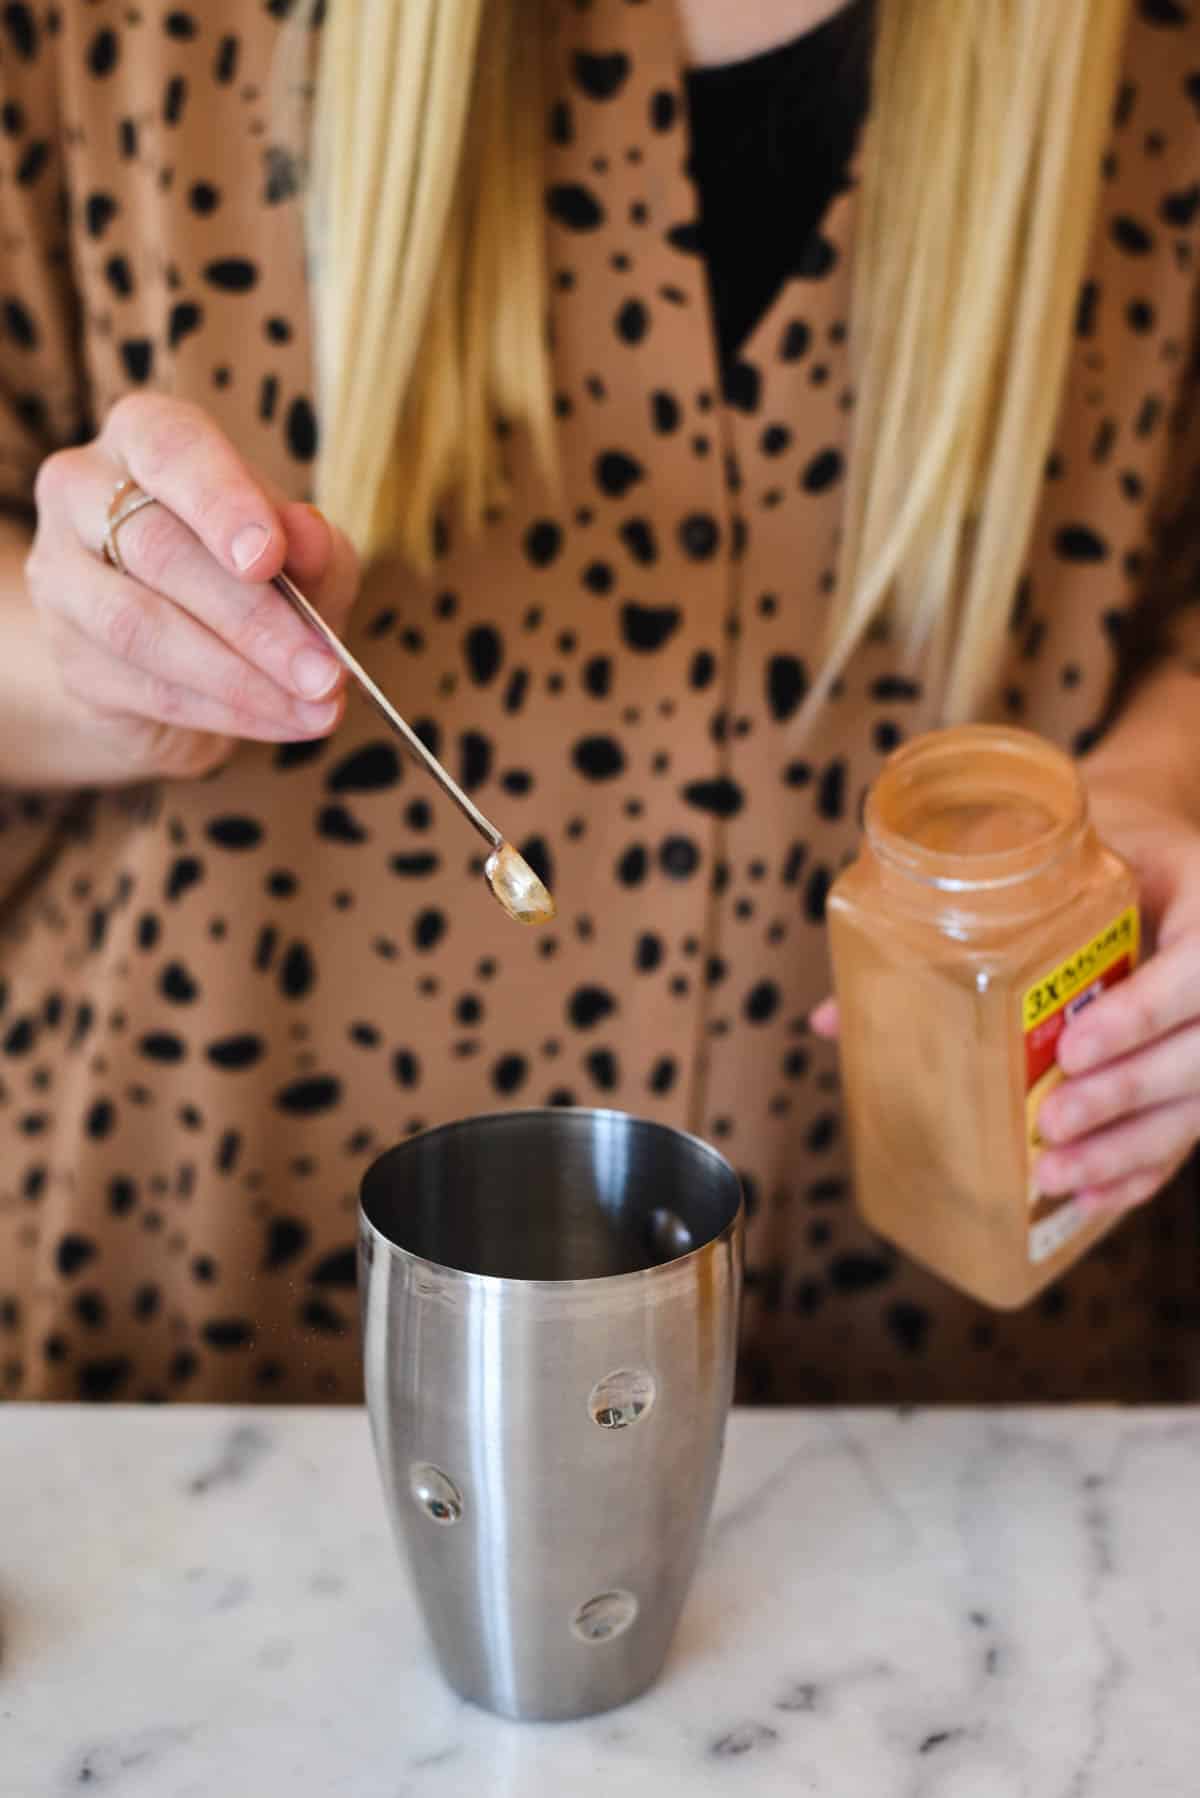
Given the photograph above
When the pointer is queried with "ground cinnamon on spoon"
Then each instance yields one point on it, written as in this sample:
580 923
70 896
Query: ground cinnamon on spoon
523 896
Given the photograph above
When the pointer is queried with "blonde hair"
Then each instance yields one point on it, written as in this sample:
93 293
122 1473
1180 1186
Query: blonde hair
428 230
980 175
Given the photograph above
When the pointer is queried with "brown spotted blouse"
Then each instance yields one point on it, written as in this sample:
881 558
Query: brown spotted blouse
221 999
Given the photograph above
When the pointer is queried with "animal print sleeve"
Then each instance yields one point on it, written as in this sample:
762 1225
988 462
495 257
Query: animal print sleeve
42 404
42 391
1165 625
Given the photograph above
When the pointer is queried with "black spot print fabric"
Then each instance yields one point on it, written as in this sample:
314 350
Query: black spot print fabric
220 1000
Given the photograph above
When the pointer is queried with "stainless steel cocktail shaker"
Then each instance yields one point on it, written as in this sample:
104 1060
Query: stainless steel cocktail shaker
550 1317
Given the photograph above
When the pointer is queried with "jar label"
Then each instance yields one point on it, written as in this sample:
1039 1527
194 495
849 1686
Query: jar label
1046 1009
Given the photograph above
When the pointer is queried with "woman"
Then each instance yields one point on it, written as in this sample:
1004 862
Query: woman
664 596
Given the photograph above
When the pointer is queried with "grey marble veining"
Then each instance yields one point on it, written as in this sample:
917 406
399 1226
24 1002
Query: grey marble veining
206 1604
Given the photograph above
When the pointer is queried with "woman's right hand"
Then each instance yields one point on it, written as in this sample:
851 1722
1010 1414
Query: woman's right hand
191 649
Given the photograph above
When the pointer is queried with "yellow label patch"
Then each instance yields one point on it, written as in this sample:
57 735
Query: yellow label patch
1116 943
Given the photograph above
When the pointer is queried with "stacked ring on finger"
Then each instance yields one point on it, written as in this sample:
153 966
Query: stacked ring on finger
127 499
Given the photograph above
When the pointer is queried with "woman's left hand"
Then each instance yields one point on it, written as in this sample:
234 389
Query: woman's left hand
1127 1115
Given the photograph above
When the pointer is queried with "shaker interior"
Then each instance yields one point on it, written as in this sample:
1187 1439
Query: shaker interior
551 1195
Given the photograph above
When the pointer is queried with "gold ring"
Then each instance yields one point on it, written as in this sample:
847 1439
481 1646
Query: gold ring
127 499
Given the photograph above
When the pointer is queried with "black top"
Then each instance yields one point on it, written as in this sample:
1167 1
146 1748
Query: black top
772 139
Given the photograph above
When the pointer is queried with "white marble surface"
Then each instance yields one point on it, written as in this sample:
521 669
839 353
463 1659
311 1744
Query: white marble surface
206 1604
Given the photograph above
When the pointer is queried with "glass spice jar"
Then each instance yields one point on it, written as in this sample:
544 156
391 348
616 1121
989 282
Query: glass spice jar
982 913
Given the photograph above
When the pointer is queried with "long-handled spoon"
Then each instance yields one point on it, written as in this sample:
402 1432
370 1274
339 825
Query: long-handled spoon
523 896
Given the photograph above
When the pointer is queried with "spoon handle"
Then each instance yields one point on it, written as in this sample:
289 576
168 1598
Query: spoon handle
350 663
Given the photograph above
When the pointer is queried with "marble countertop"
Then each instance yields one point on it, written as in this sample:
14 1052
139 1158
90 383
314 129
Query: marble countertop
963 1604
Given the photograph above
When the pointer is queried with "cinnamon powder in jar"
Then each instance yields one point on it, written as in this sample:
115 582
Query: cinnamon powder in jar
981 914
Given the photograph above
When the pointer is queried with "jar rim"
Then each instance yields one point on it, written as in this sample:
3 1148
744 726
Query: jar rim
954 871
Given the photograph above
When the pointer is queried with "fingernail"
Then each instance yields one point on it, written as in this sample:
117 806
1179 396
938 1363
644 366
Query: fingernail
1059 1123
1082 1052
313 672
248 546
1052 1177
317 717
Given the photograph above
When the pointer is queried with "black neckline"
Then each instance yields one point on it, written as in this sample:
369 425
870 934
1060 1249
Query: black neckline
772 139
